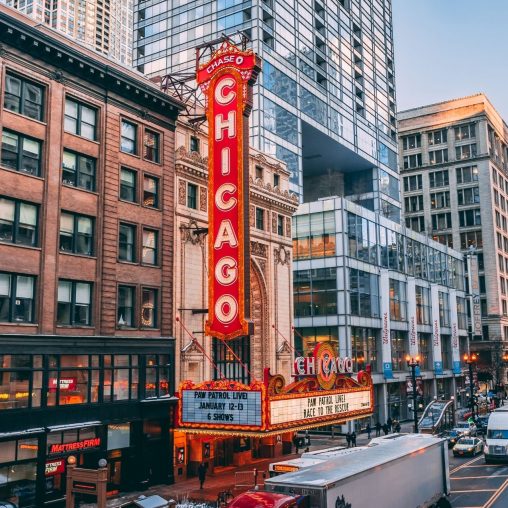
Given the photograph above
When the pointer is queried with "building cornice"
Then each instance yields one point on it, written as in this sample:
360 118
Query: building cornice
68 57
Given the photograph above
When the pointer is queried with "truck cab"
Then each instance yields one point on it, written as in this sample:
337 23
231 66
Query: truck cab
496 445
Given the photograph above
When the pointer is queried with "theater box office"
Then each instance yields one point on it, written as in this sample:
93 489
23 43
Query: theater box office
90 397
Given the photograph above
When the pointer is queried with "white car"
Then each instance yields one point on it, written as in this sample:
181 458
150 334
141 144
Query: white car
466 428
468 446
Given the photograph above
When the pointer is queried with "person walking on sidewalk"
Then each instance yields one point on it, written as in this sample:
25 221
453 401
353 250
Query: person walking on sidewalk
386 429
369 430
348 439
389 422
378 429
353 438
397 427
202 474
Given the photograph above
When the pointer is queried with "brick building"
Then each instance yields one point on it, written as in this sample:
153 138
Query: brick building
86 265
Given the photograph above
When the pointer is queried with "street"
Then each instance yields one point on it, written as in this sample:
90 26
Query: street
475 484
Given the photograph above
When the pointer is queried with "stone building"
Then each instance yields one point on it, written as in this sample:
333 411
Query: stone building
271 208
454 169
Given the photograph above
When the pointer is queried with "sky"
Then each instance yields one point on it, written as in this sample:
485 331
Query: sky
445 49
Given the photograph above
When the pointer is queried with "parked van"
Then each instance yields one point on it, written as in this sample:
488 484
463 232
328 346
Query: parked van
496 445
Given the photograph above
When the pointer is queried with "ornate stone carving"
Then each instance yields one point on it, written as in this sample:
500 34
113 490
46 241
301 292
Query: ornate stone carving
57 76
3 51
190 235
288 227
259 249
274 222
182 192
202 199
252 216
282 256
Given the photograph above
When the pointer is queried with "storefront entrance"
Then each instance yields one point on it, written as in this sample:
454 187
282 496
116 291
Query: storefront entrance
224 451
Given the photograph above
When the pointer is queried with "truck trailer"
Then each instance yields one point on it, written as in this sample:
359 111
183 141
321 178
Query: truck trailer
408 471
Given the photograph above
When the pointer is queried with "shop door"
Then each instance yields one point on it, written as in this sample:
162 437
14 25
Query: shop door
223 452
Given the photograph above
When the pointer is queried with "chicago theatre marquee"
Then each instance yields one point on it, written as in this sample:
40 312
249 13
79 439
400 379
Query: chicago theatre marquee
244 390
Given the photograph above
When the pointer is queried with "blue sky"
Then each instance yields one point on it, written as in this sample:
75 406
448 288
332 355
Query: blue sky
446 49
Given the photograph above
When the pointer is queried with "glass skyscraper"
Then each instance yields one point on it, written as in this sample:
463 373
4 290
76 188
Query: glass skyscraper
325 99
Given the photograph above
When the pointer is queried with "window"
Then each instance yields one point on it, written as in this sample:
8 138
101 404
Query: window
412 161
280 225
23 97
444 239
444 309
192 196
149 308
194 144
151 142
423 312
260 219
471 238
125 314
416 223
412 183
150 244
151 191
80 119
128 185
438 156
465 132
128 138
74 303
314 235
127 243
467 174
465 151
400 347
363 293
315 292
470 217
76 234
259 172
441 221
413 203
17 298
438 137
468 196
410 142
398 301
18 222
439 178
439 200
21 153
78 170
276 180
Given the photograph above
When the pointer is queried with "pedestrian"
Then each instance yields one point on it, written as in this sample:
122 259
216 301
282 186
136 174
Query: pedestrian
307 439
369 430
348 439
353 438
389 422
202 474
296 442
397 427
386 429
378 429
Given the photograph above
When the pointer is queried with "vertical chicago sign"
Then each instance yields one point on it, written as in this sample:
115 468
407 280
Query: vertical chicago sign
227 80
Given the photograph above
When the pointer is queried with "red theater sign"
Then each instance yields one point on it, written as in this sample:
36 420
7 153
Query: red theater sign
226 81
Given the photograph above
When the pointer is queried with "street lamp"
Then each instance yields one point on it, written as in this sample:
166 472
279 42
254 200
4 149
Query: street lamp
413 362
470 359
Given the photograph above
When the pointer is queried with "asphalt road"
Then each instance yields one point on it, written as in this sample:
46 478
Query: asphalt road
475 484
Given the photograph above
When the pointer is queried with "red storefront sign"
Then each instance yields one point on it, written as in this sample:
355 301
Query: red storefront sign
226 81
54 467
75 446
66 384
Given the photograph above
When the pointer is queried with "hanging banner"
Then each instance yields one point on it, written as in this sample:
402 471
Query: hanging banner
436 330
386 347
411 317
227 80
454 323
474 289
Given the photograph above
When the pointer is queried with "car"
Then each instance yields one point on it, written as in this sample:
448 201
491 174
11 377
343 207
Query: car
452 436
468 446
466 428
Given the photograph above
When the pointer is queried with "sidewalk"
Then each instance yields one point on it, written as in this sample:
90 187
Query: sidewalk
189 489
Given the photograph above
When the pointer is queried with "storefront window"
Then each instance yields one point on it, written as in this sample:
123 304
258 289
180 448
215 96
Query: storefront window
19 381
158 377
424 350
400 348
18 484
306 339
364 349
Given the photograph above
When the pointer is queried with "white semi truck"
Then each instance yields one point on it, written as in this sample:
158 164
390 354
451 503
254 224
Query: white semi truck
408 471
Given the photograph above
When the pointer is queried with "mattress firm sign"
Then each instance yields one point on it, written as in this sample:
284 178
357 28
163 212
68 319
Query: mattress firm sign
227 408
320 407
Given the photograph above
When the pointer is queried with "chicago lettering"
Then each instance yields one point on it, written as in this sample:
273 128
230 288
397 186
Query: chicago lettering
312 366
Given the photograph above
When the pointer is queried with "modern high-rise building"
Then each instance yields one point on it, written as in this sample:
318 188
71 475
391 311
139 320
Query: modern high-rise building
454 164
104 26
325 99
